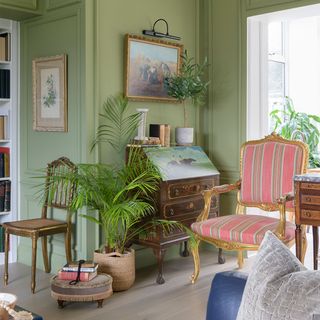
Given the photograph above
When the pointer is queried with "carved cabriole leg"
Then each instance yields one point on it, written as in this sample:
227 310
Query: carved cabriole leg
34 262
45 254
304 243
315 247
196 261
60 303
68 245
240 259
159 253
100 302
6 257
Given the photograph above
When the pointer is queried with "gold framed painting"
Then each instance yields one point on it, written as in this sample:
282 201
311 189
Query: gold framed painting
50 93
147 62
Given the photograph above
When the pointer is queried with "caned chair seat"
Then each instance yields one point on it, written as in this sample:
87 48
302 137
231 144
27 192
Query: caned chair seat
246 229
36 224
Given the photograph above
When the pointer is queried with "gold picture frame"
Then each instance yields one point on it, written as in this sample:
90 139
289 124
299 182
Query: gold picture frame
49 76
147 61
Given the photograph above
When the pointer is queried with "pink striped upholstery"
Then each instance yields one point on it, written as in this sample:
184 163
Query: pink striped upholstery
247 229
267 171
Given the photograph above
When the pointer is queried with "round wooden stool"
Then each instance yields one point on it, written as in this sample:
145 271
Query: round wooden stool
97 289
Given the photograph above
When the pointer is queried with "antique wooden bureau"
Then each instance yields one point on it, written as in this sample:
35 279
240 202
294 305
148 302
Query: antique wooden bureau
307 210
185 173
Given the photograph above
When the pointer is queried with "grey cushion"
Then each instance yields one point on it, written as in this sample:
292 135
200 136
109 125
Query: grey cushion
279 287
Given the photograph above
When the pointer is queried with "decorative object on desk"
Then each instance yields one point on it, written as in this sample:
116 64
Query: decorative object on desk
50 93
187 84
290 124
148 63
161 131
154 33
142 125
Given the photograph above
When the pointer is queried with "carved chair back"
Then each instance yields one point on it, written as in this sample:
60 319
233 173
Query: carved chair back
59 191
267 168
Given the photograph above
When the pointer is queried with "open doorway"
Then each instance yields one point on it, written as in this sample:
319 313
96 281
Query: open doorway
283 60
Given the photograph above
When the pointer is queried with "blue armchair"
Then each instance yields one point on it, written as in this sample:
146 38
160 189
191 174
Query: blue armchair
225 295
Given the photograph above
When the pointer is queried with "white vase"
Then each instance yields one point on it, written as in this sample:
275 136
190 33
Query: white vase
184 136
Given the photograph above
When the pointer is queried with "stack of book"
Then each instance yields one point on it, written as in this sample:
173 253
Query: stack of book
69 272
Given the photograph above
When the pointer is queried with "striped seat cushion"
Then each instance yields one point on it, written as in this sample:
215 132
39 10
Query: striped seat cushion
267 171
247 229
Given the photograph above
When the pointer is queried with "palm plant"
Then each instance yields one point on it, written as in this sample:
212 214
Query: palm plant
290 124
121 194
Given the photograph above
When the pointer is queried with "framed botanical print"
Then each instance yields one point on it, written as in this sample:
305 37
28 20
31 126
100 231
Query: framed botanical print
50 93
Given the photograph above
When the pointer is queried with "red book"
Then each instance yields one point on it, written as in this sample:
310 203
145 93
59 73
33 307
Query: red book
69 275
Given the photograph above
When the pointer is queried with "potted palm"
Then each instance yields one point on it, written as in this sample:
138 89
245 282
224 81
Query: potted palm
187 84
118 197
291 124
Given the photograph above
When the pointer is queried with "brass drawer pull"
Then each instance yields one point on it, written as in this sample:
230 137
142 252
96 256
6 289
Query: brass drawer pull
171 212
308 199
176 192
308 214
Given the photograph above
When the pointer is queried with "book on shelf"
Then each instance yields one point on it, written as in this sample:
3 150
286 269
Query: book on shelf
5 83
2 191
69 275
5 46
3 127
67 268
4 162
162 131
7 195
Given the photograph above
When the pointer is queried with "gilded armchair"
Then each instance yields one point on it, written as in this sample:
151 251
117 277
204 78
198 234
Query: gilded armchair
267 168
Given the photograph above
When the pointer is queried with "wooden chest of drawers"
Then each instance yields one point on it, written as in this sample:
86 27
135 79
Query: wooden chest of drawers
307 209
179 197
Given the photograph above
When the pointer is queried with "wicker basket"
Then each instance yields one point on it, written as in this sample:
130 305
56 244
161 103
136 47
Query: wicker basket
120 266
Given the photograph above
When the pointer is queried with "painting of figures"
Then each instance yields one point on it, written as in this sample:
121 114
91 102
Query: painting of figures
148 62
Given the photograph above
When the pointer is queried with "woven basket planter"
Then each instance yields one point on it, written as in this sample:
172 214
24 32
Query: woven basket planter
121 267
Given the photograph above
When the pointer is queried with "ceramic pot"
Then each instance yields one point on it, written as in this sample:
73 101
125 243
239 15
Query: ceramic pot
184 136
121 267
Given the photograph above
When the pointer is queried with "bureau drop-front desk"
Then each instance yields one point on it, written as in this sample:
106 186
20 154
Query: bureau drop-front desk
185 173
307 210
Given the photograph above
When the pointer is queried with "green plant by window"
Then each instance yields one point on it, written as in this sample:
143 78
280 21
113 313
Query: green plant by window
188 83
291 124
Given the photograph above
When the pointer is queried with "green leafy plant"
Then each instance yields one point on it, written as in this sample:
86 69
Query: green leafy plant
121 194
291 124
188 83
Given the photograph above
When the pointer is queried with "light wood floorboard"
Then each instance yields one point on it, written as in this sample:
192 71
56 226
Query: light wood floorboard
177 299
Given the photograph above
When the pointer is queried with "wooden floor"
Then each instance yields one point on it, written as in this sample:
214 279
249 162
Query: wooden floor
177 299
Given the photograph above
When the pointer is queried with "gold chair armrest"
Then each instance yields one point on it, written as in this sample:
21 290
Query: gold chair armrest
207 195
226 187
281 228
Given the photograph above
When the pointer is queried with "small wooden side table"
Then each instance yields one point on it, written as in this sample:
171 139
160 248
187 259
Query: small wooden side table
307 210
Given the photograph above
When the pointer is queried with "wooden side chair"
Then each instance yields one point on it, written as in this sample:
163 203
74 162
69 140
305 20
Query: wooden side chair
267 168
58 194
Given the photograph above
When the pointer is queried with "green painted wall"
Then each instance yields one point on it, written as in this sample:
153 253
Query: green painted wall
59 30
224 42
91 33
